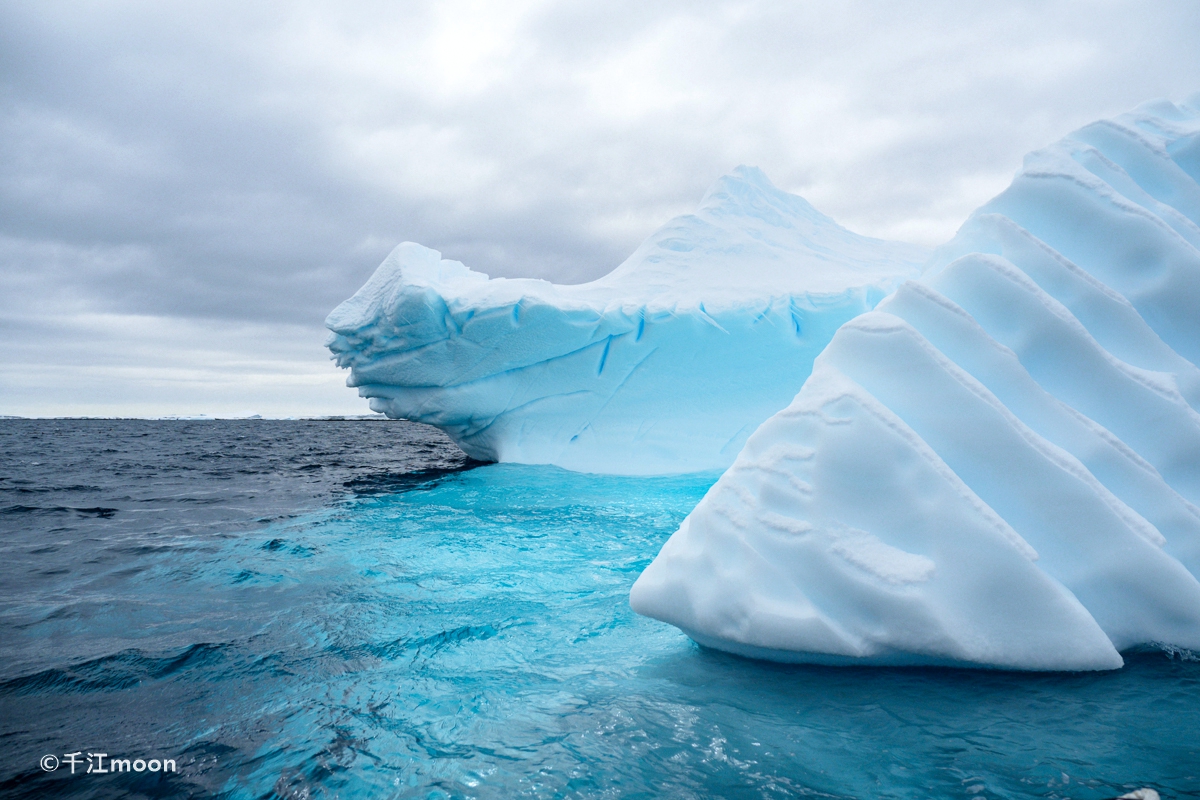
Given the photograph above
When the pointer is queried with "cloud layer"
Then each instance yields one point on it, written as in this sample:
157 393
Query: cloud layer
224 168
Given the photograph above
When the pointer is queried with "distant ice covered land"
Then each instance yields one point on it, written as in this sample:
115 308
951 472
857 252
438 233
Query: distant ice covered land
665 365
1000 464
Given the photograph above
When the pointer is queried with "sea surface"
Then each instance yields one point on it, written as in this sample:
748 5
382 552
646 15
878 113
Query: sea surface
355 610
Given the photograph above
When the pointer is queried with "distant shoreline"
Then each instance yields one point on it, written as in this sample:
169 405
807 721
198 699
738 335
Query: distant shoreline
206 418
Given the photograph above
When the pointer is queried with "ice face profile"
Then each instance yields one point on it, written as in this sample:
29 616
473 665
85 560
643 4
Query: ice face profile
984 456
1000 464
665 365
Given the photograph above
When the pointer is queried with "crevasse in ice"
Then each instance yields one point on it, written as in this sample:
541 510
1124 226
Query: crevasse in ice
665 365
1000 464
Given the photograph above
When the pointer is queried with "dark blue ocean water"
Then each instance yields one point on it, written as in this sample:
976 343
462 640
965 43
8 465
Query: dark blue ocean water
351 609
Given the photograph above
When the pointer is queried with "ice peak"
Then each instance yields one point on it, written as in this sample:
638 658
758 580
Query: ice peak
749 236
748 192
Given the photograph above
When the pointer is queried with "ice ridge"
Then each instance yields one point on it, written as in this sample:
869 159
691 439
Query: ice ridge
665 365
1000 464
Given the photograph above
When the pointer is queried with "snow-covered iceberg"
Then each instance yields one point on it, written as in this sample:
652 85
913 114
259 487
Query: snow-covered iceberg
1000 464
666 364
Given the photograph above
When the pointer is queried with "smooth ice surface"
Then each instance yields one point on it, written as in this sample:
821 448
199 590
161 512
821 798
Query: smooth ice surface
1000 464
665 365
466 635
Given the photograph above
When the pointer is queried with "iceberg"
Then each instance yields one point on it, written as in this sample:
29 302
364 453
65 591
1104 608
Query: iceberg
665 365
997 466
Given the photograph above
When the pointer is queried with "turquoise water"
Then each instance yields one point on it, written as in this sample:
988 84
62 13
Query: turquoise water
468 634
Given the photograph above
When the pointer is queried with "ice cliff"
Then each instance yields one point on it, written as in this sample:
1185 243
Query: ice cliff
1000 464
666 364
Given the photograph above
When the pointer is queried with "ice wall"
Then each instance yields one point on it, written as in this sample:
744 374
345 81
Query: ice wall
664 365
998 466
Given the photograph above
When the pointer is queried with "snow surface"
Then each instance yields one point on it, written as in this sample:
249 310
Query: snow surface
1000 464
665 365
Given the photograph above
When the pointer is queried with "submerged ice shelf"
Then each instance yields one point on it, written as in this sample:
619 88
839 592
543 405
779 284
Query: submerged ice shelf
1000 464
665 365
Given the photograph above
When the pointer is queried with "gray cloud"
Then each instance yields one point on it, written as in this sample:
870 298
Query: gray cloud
235 164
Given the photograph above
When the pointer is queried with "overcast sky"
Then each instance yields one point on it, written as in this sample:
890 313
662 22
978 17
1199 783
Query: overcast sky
186 190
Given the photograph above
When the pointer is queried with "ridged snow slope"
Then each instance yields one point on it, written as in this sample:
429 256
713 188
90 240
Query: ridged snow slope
664 365
1000 465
